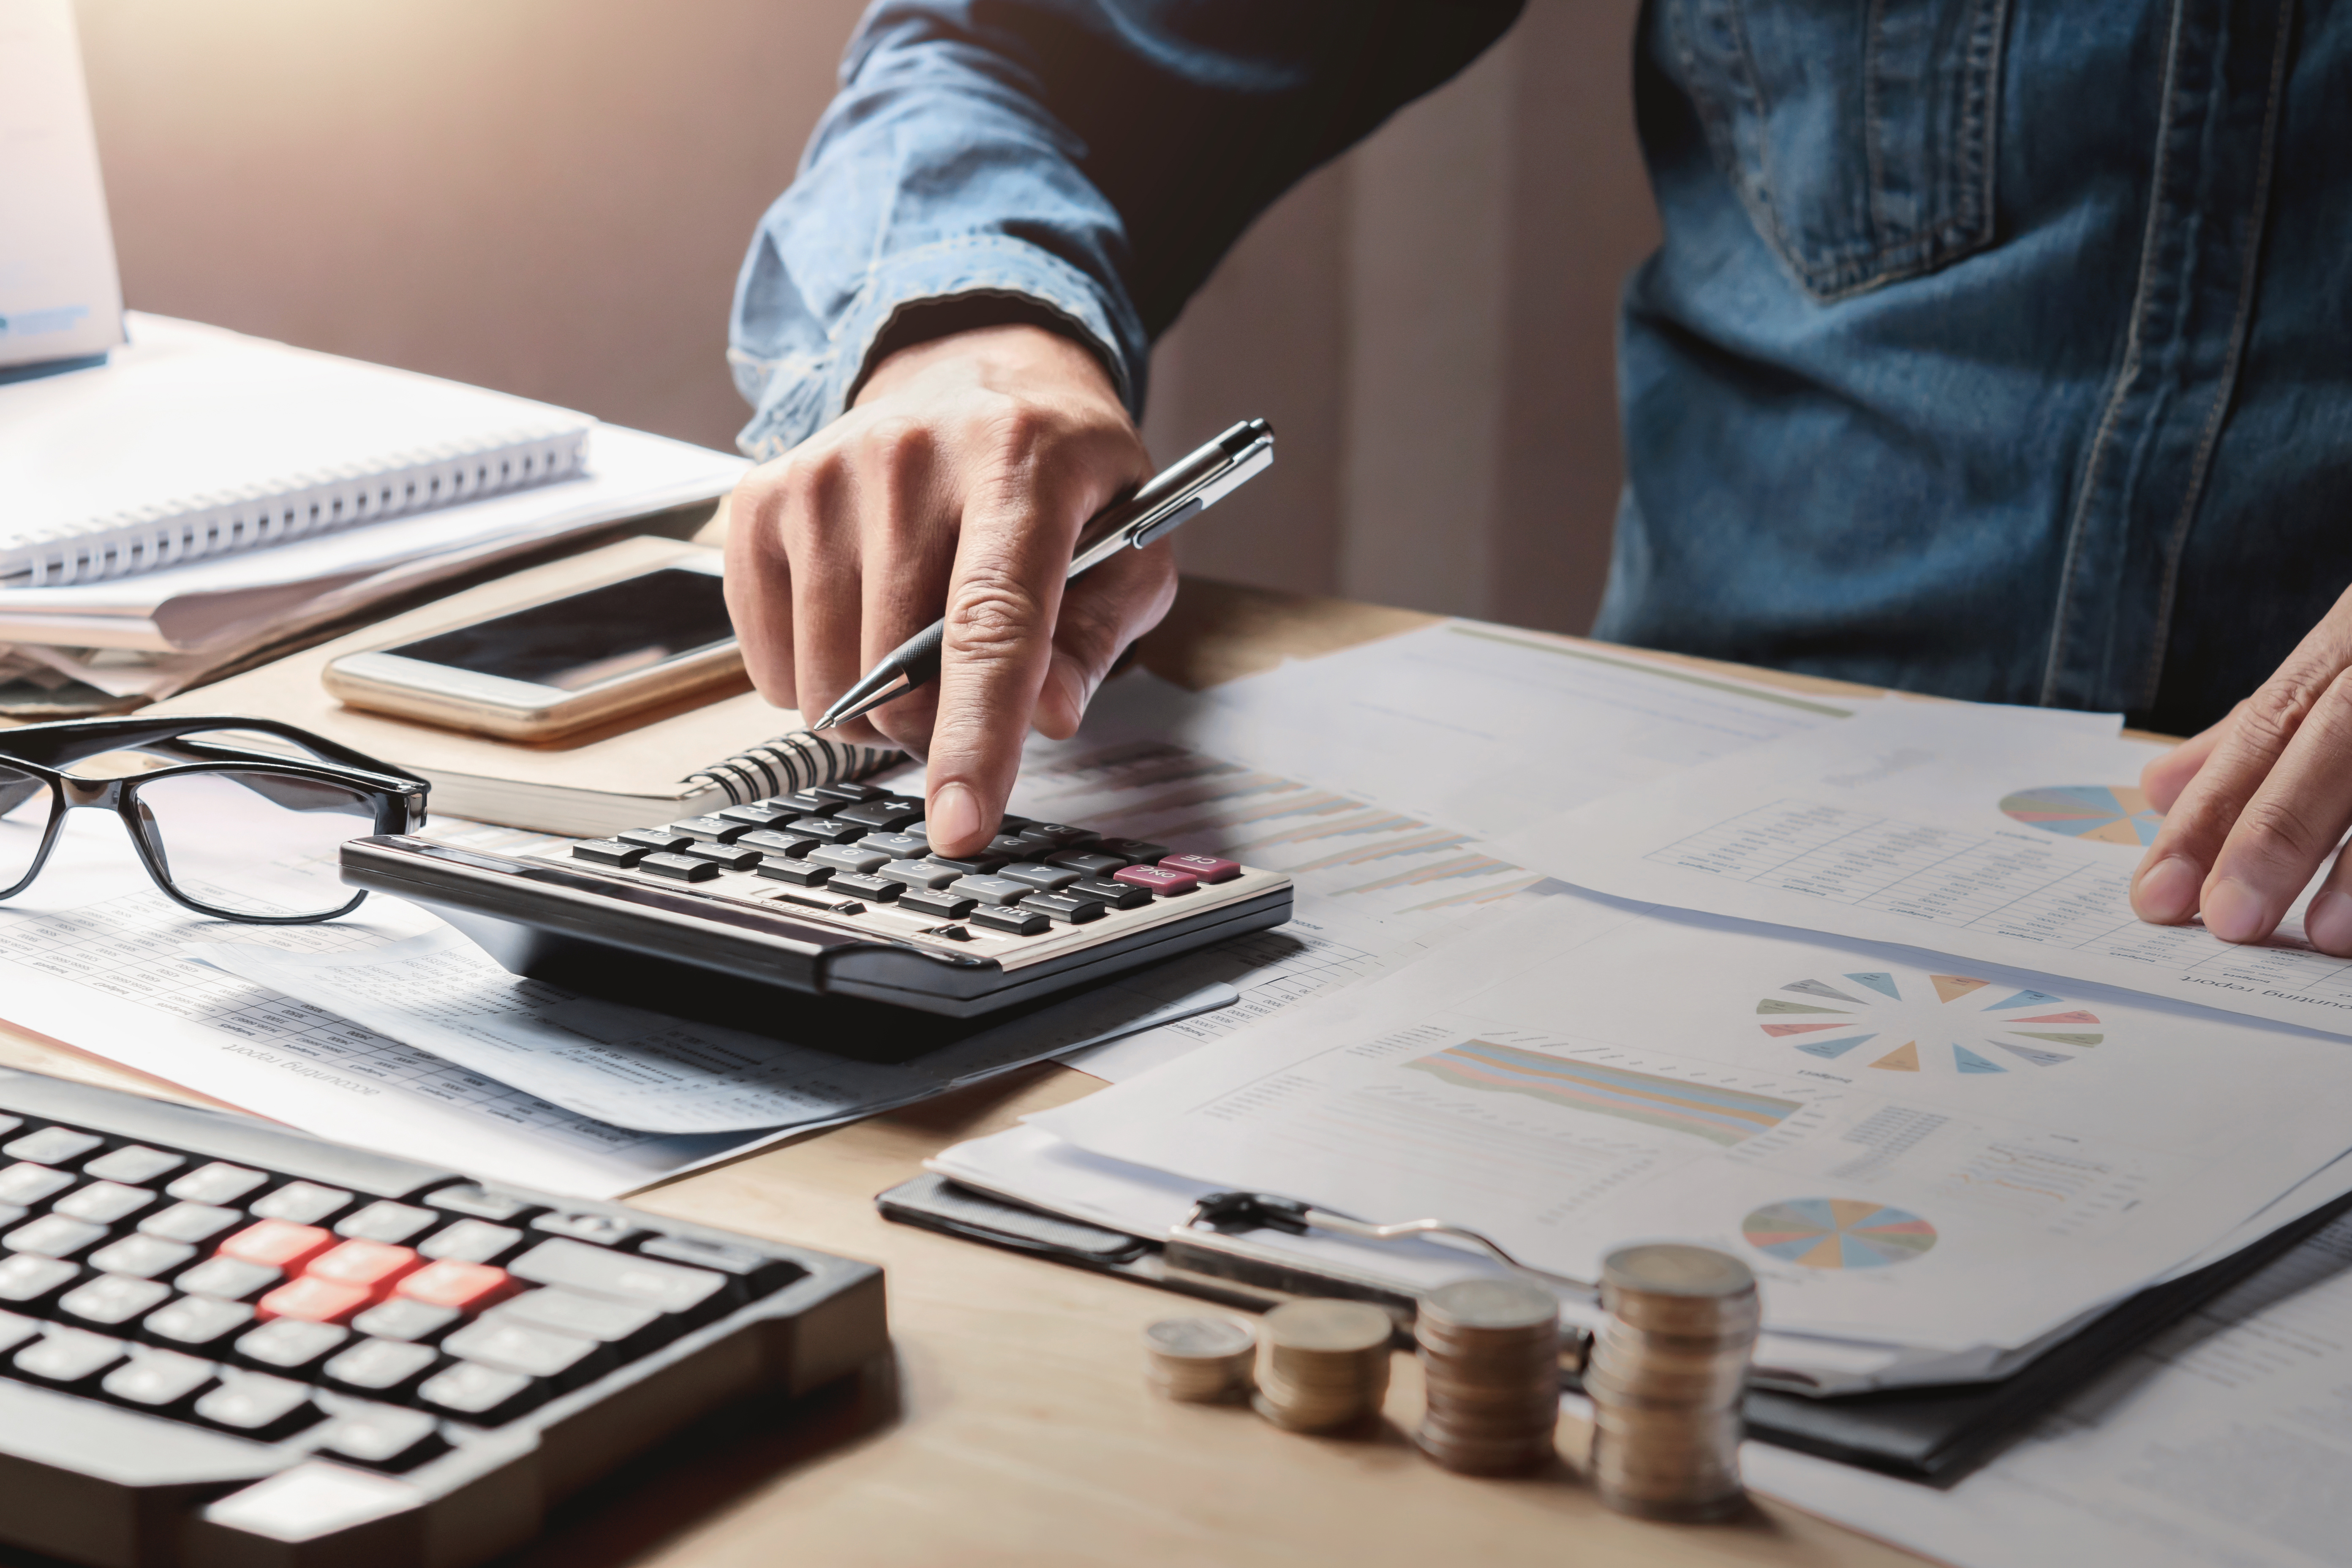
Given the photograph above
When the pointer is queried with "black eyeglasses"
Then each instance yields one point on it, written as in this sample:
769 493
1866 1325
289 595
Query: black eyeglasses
244 832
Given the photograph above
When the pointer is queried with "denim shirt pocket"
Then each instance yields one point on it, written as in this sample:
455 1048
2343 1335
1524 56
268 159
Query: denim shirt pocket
1858 134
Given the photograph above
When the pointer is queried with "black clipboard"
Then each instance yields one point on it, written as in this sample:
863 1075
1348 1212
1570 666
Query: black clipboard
1931 1435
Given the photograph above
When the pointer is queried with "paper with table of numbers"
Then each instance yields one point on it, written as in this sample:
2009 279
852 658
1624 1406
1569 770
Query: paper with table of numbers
1949 826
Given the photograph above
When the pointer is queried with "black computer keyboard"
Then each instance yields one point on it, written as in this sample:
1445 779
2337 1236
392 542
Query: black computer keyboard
831 892
224 1342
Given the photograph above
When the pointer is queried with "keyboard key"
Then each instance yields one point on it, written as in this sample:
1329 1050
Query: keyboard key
482 1203
292 1345
848 793
603 1229
134 1164
1208 868
111 1300
466 1287
275 1244
217 1183
801 872
485 1394
610 851
1138 851
157 1380
320 1302
946 905
255 1406
624 1276
370 1265
55 1236
16 1329
1158 879
759 814
1064 908
104 1202
711 829
678 867
28 1279
632 1326
887 814
1018 923
199 1322
874 889
230 1280
780 844
758 1273
142 1256
472 1241
988 889
401 1319
520 1347
660 841
1102 889
388 1222
192 1223
725 857
898 845
830 829
52 1146
380 1366
855 858
27 1185
818 898
1045 879
304 1203
385 1437
1090 862
68 1356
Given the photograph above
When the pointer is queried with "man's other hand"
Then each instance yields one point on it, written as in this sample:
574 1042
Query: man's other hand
960 479
2254 805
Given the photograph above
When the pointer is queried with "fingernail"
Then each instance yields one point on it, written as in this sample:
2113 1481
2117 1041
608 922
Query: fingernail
2233 912
2166 894
954 814
2328 922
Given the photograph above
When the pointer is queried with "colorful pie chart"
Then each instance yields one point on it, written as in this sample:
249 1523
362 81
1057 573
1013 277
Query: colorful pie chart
2104 814
1837 1232
1902 1020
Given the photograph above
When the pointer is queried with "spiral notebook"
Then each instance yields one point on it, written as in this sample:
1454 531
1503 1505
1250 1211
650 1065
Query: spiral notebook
193 441
648 769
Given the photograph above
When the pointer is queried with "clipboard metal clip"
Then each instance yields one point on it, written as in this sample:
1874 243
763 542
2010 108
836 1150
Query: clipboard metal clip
1227 1213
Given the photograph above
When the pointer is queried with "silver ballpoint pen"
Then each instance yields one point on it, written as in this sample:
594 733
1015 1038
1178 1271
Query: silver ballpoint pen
1168 500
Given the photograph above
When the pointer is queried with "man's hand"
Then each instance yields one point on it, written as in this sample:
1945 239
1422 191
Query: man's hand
960 479
2255 804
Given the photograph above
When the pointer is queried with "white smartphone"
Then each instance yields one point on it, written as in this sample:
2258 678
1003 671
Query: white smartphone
562 665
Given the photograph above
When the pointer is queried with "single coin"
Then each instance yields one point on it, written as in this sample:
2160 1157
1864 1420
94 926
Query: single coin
1491 1304
1675 1268
1327 1326
1199 1338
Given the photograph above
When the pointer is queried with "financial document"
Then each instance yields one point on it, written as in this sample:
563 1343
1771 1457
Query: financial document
1951 827
1909 1151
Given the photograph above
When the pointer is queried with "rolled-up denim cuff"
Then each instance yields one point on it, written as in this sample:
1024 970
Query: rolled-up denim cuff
804 393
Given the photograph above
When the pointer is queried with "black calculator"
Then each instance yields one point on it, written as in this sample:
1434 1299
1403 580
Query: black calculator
829 892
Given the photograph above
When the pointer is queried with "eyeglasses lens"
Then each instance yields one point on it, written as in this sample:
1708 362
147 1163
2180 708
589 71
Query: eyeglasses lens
25 804
253 843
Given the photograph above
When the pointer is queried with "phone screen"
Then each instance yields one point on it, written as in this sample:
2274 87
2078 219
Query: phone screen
575 643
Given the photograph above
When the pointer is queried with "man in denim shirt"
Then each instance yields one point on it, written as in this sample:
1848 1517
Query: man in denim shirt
1996 348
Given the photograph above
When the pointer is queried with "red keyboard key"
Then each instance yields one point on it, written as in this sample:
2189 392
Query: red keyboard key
1208 868
370 1264
315 1300
277 1244
1167 884
467 1286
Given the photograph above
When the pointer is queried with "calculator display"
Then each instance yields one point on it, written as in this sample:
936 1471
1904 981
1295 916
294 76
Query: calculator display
589 638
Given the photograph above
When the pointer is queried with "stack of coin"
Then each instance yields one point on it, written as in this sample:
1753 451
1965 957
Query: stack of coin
1665 1377
1490 1357
1324 1364
1199 1360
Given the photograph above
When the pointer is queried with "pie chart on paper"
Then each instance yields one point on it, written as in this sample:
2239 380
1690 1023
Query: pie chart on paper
1837 1232
2102 814
1905 1020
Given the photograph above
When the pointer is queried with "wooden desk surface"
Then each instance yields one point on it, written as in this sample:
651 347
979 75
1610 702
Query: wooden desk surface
1016 1429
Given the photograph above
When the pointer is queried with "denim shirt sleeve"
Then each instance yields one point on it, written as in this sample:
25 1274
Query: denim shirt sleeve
1090 158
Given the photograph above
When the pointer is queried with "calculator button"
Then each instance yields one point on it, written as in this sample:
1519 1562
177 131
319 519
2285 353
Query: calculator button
802 801
388 1222
104 1202
1137 850
1061 835
135 1164
898 845
378 1366
385 1437
485 1394
671 1287
465 1287
818 898
888 814
853 857
1045 879
1090 862
1208 868
872 889
230 1278
52 1146
725 857
848 792
141 1256
277 1244
989 889
1102 889
775 843
756 1273
1019 923
262 1407
970 865
610 852
832 830
1064 907
155 1379
947 905
925 874
198 1322
657 839
68 1356
217 1183
308 1300
597 1318
471 1241
290 1344
28 1277
304 1203
678 867
482 1203
193 1223
24 1184
603 1229
370 1266
1009 824
55 1236
1159 879
1012 846
111 1300
520 1347
711 829
759 813
801 871
401 1319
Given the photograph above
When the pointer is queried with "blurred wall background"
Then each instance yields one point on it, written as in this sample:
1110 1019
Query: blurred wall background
551 198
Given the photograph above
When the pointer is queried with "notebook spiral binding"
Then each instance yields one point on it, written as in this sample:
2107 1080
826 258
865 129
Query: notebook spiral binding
802 759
